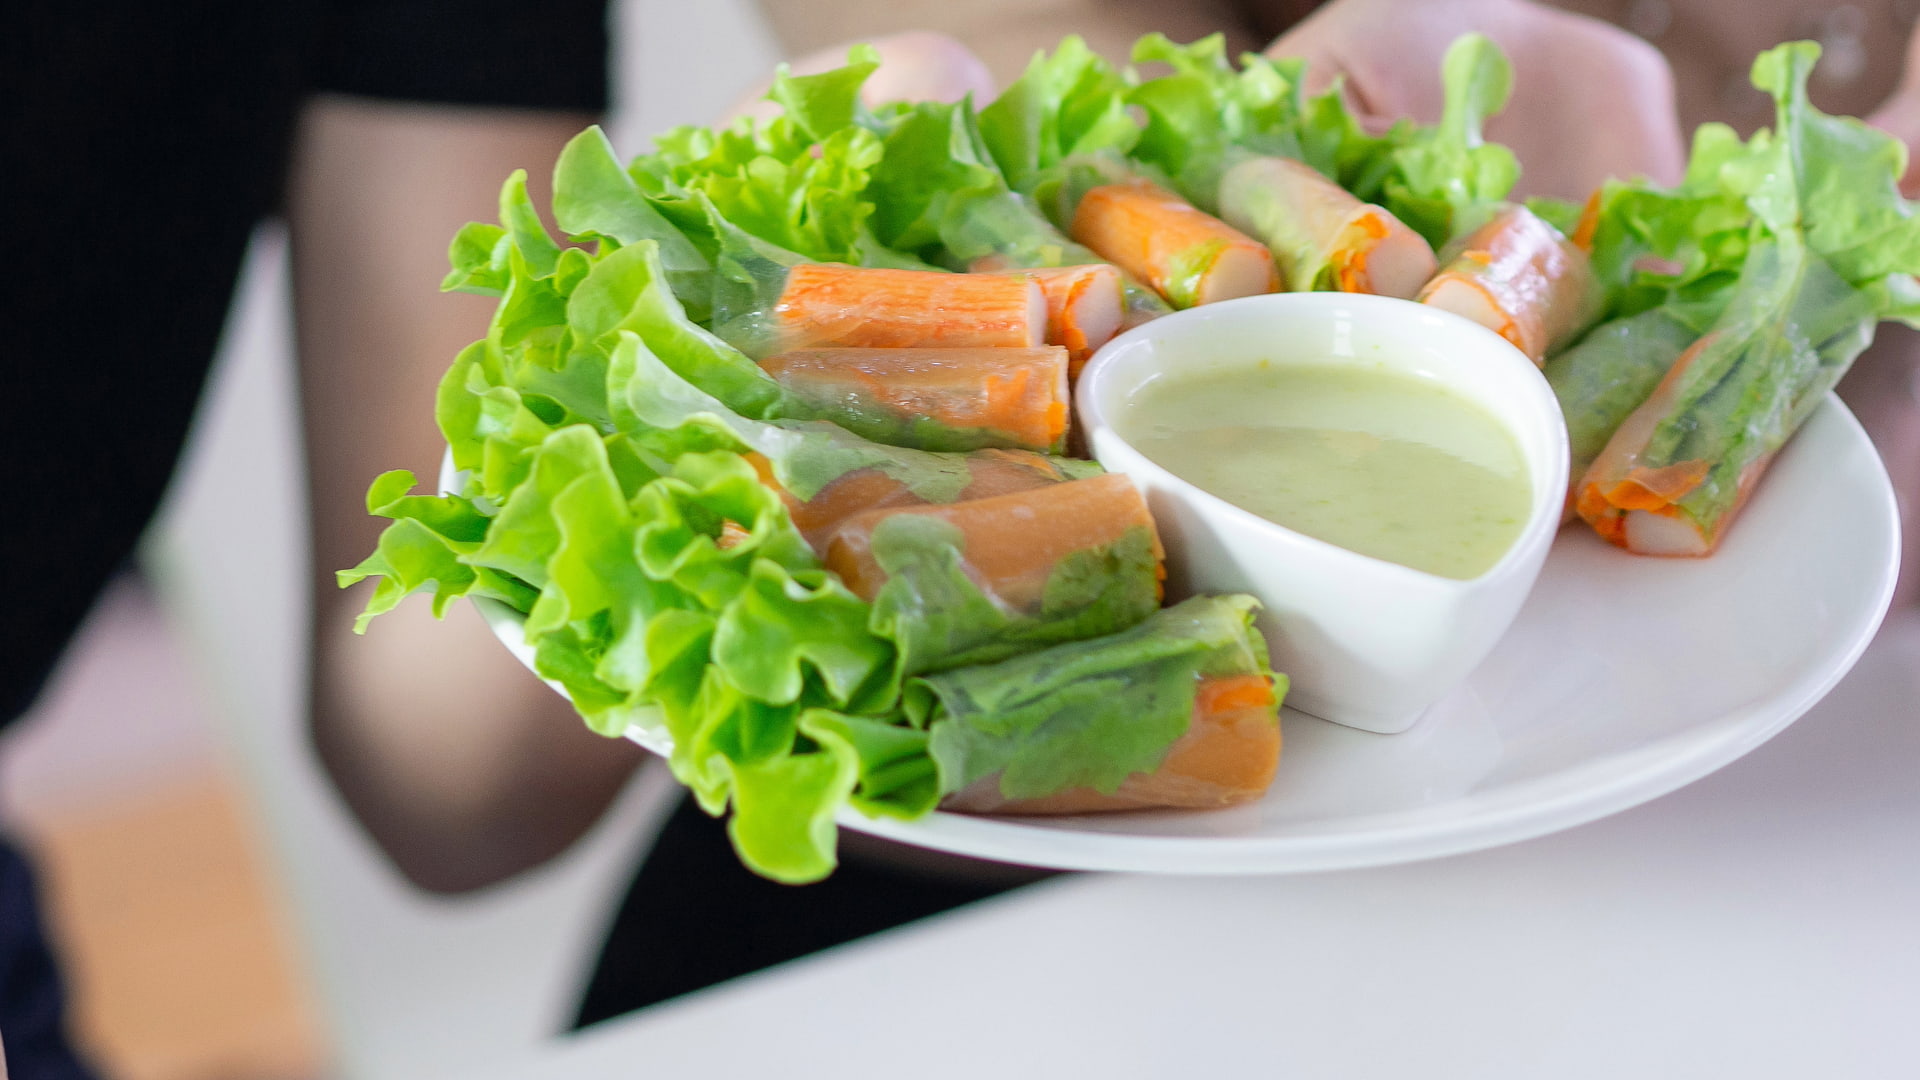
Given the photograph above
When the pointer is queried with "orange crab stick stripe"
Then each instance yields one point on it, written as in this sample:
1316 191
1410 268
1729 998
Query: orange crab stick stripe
1518 277
1189 257
1019 395
827 304
1228 755
1011 543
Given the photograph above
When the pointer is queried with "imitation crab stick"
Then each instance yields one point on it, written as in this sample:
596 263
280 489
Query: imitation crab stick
1228 755
1086 305
827 304
935 399
991 473
1323 237
1517 276
1188 256
1010 544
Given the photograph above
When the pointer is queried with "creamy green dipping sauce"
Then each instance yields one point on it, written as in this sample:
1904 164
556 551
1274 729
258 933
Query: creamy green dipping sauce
1382 463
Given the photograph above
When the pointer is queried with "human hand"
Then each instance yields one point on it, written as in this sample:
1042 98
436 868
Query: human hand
1899 115
1883 389
1589 100
914 66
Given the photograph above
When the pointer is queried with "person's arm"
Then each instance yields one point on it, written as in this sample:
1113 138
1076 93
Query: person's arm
461 765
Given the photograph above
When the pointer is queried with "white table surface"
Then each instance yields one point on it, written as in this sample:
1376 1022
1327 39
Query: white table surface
1763 922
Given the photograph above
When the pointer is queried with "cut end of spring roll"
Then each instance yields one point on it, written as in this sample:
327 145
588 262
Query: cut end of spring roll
827 304
1228 756
1377 254
1187 256
1011 543
1518 277
935 399
1635 500
1086 306
1321 235
1640 510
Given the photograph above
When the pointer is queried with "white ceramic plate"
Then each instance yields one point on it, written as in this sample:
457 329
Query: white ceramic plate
1623 679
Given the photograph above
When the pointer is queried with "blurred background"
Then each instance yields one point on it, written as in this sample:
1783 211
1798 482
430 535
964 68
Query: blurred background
130 781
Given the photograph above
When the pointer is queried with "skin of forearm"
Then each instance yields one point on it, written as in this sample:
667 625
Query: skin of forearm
460 765
1005 35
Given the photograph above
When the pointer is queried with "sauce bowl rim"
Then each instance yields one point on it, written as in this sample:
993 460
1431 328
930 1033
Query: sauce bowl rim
1547 500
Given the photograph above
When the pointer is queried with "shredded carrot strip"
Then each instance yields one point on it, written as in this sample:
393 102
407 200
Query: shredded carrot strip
1669 483
1350 267
1592 506
1582 237
1233 692
1056 420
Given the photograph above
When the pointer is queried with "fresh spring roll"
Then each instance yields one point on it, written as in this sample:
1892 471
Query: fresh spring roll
951 583
1180 710
1606 376
823 472
1517 276
827 304
1679 469
1188 256
1323 237
935 399
1087 304
988 473
976 581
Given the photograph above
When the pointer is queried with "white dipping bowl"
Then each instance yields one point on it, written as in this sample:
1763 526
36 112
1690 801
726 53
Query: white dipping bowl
1366 642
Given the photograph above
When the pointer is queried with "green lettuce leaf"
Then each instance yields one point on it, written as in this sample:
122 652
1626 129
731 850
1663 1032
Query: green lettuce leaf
806 455
825 104
594 199
422 549
939 616
1067 104
628 293
1090 713
1448 179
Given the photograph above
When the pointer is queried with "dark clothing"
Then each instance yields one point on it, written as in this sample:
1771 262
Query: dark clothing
140 144
143 143
695 917
30 1002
